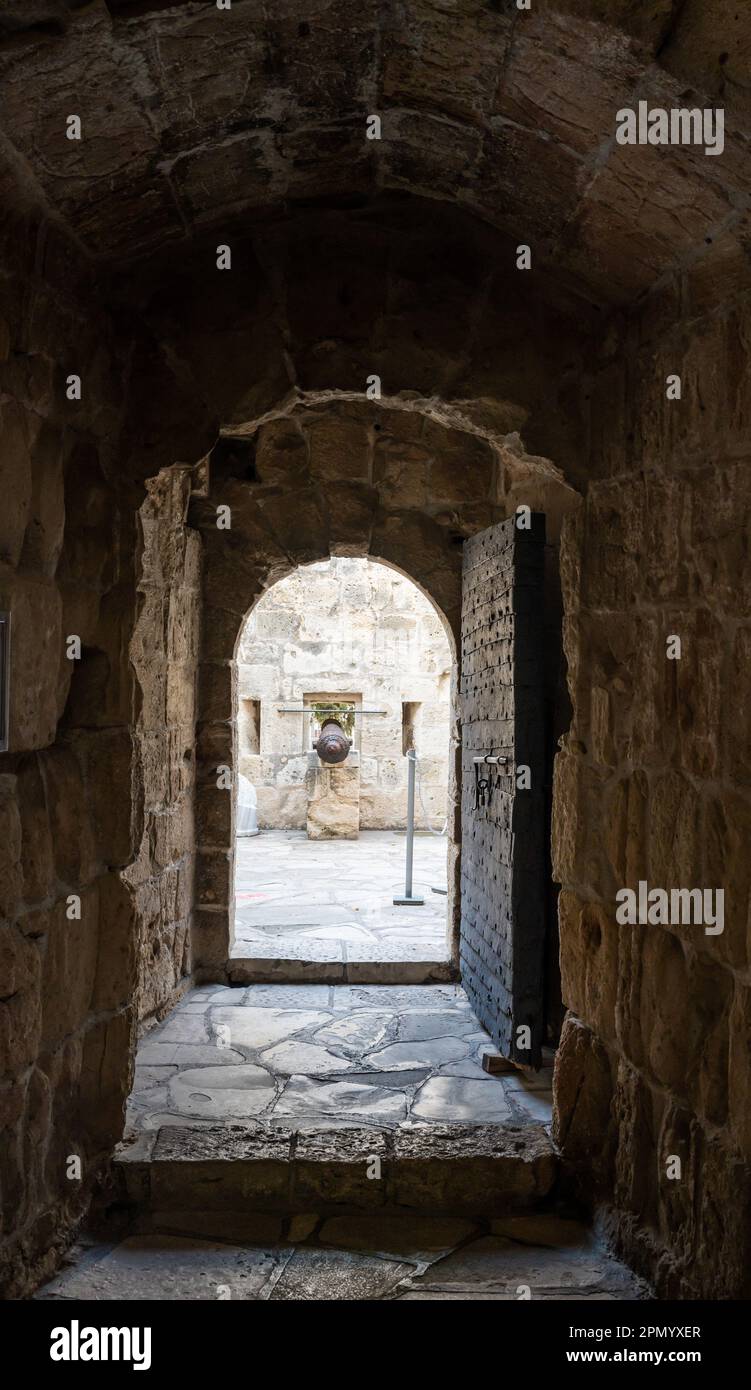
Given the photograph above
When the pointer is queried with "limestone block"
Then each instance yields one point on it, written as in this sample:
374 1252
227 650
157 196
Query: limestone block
665 1009
106 761
333 800
308 661
739 1068
35 829
292 771
20 1012
11 840
171 833
73 845
708 1026
698 698
211 939
339 447
582 1095
250 767
117 945
614 544
181 693
719 1258
291 809
380 810
17 501
719 522
214 744
735 734
37 657
674 832
43 540
216 682
589 962
726 865
219 631
70 966
638 1114
280 452
392 773
105 1076
213 816
567 810
182 625
214 878
624 830
278 625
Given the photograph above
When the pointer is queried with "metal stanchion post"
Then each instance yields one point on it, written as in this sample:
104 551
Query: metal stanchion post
408 900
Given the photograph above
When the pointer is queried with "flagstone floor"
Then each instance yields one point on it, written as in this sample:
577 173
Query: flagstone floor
312 1057
349 1258
332 900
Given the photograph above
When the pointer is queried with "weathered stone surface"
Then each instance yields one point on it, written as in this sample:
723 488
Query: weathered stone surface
169 1267
333 806
343 268
319 630
330 1274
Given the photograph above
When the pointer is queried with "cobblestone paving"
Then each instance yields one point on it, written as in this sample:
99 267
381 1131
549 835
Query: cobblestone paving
348 1258
301 899
327 1057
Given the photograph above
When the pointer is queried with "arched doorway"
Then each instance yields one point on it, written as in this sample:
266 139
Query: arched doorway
320 850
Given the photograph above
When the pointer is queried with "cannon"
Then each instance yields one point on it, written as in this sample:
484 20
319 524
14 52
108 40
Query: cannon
332 745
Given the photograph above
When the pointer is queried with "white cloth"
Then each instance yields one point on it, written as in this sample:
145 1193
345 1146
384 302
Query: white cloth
247 820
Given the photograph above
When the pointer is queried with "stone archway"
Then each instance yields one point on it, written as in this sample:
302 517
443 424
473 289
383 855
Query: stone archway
357 630
323 478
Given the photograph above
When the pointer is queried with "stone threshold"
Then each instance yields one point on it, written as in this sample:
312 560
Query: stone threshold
245 970
215 1179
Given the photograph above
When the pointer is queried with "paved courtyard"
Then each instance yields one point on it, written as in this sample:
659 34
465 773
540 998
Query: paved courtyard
332 900
327 1057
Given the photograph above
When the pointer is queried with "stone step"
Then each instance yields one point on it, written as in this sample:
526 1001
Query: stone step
261 970
216 1181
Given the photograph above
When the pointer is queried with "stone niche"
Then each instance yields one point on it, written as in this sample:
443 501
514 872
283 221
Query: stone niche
333 798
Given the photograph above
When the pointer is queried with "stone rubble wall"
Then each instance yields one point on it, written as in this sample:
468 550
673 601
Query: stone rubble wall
67 1016
164 652
654 783
352 627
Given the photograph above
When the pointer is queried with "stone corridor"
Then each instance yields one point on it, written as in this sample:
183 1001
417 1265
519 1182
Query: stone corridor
326 282
256 1117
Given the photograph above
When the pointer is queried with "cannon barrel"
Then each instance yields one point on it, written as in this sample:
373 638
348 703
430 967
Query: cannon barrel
332 745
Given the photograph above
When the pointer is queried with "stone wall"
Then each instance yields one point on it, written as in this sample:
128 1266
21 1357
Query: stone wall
164 652
345 627
505 121
96 815
67 939
654 784
658 543
310 468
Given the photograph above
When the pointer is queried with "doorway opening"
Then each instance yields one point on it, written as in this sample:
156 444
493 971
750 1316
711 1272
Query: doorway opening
352 645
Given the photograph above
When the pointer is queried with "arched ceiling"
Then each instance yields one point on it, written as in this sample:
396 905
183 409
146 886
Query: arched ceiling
197 119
